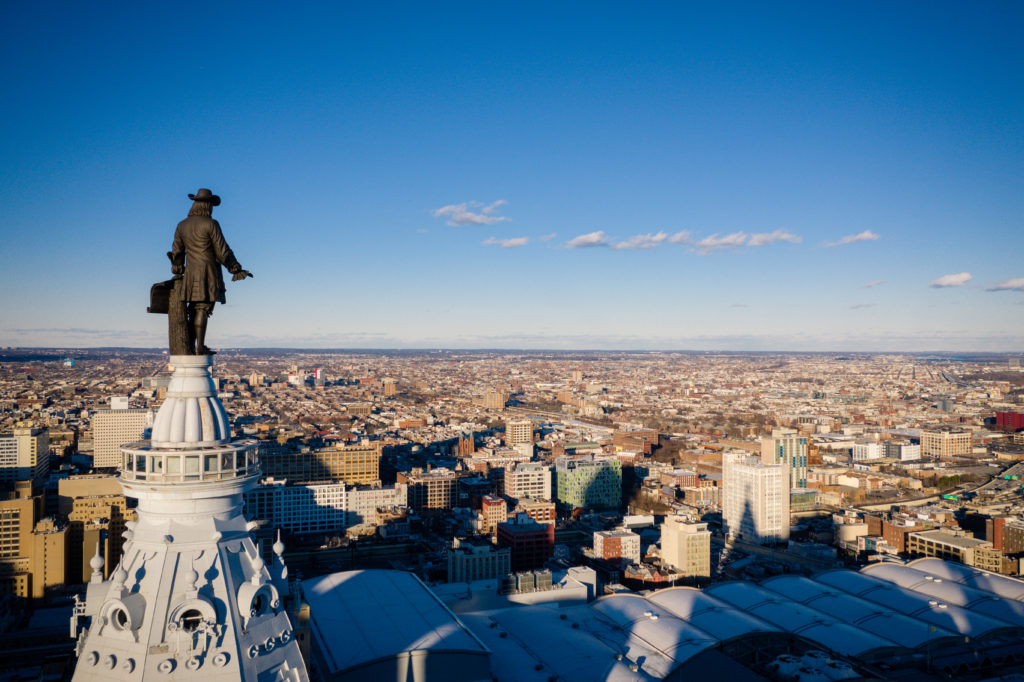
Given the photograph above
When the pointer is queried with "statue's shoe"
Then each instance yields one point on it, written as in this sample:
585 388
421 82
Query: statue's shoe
203 350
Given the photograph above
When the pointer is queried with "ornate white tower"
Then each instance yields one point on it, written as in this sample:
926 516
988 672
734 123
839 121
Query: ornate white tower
191 598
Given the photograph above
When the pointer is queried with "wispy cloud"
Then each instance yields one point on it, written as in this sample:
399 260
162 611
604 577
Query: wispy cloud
80 337
512 243
765 238
957 280
471 213
1016 284
860 306
82 331
876 283
548 237
589 240
714 242
865 236
705 246
641 241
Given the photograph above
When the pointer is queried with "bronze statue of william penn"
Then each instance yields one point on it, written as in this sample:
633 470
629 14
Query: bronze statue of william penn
197 254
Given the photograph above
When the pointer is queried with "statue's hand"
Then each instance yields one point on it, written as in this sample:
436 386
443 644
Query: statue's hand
177 266
241 274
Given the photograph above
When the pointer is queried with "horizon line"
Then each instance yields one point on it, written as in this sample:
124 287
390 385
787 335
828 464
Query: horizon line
164 351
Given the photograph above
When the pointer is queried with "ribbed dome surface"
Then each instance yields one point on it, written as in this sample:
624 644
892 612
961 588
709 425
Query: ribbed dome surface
192 415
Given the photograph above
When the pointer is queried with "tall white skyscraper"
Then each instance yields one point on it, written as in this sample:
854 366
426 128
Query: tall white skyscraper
191 598
25 455
787 446
113 428
755 499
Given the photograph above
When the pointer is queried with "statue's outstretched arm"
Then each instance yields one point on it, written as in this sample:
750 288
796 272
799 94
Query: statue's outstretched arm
225 255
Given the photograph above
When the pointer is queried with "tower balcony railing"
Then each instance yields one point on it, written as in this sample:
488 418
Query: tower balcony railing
140 462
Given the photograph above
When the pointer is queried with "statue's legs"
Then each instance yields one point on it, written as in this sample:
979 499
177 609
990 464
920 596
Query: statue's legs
199 313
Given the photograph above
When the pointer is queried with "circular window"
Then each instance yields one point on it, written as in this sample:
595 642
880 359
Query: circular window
120 619
190 620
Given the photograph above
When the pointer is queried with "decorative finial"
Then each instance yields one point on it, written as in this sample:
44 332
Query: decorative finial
278 546
257 570
96 563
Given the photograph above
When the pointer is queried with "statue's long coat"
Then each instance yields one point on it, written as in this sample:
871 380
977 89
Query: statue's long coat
201 239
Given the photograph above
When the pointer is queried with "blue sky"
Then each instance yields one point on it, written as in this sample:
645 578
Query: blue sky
548 175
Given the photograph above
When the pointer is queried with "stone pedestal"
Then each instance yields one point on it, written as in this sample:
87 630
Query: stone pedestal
191 597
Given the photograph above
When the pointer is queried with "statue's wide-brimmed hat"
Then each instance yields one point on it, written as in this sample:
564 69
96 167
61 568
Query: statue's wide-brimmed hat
205 195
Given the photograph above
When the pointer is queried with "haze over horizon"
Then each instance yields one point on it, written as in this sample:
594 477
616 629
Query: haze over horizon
788 178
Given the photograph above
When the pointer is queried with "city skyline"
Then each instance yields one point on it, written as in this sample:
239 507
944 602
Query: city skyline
795 178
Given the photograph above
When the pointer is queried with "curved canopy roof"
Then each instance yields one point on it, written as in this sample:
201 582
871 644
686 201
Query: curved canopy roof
951 617
799 619
718 618
999 585
381 614
653 625
867 615
879 611
950 592
599 649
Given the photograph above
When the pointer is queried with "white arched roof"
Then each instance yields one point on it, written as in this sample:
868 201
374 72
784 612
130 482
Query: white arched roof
582 646
655 626
941 614
625 608
740 593
718 618
382 614
999 585
864 614
950 591
799 619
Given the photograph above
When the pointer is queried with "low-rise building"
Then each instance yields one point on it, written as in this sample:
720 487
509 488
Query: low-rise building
945 544
320 507
433 489
493 511
686 546
945 442
541 511
470 560
531 544
617 544
528 479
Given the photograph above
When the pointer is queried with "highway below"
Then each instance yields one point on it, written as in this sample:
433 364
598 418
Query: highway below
775 554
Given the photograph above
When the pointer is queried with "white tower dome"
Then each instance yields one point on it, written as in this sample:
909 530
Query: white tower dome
191 598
